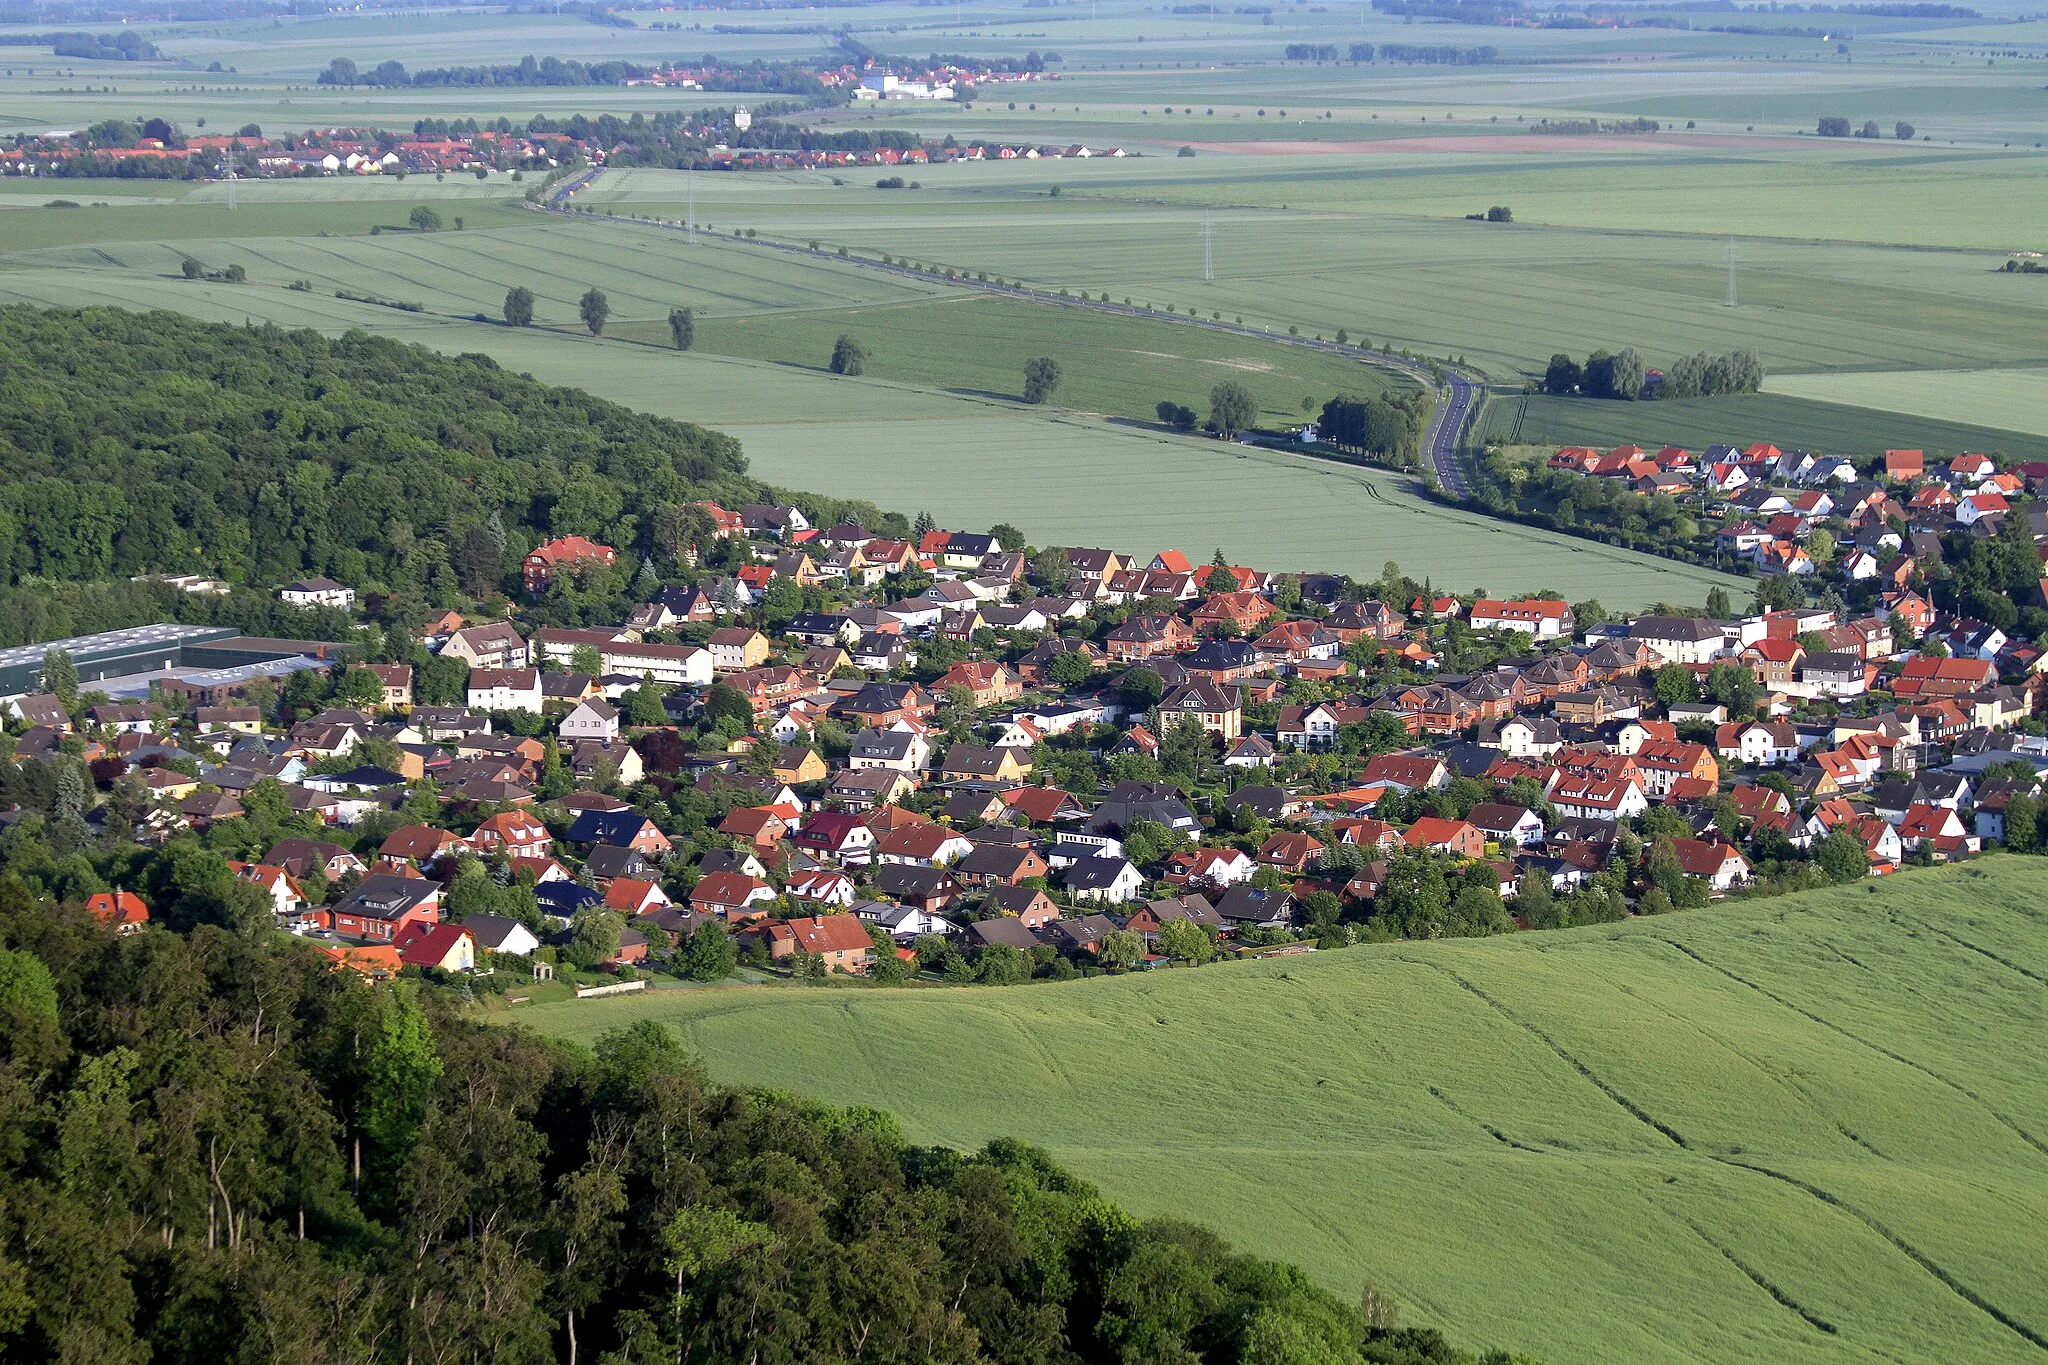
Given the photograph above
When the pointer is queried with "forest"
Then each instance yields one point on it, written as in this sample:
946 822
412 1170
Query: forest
152 443
216 1147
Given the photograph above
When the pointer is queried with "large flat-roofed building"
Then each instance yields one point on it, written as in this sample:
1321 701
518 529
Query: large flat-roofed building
139 650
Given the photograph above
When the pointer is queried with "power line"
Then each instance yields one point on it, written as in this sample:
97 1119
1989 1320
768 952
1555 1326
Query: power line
690 209
230 174
1731 272
1208 248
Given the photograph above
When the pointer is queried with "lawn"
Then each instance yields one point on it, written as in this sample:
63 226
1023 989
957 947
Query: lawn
1804 1130
1780 416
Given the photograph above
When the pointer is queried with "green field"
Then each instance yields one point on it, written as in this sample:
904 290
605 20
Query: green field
979 344
1808 1129
2011 398
1779 416
1505 297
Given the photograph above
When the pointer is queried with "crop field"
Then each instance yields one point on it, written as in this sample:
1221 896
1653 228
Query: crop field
2011 398
1801 1130
1779 416
1504 296
1110 365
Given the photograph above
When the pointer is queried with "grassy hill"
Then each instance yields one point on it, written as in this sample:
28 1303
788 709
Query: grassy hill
1809 1129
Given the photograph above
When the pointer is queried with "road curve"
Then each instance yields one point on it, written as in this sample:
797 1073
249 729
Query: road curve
1439 445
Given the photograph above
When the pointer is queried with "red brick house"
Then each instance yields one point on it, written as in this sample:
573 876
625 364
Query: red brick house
1461 837
841 940
570 553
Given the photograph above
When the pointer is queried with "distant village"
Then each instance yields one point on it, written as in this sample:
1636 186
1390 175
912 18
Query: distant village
946 754
715 139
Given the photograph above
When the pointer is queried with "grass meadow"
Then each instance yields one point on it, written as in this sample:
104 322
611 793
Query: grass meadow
1800 1130
1503 296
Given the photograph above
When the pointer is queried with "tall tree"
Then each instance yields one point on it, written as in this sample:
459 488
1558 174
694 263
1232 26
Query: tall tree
1232 408
849 357
519 306
682 327
595 308
1041 378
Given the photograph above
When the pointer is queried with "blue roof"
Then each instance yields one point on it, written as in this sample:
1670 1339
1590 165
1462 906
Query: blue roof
564 898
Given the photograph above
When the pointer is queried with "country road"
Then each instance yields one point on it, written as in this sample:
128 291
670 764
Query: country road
1439 444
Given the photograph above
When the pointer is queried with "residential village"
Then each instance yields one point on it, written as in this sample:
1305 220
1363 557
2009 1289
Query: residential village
947 754
1884 525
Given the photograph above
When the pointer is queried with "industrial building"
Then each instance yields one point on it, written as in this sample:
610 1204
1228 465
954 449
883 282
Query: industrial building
158 650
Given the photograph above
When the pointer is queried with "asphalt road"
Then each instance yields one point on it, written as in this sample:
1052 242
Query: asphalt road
1440 444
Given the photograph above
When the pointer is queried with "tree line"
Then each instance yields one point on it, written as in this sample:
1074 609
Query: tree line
1622 375
1841 127
1417 53
218 1146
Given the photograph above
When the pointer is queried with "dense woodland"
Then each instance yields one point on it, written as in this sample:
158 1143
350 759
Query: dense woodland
133 443
214 1147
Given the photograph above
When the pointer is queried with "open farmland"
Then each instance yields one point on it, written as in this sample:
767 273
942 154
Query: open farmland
2011 398
1504 296
1113 365
1801 1130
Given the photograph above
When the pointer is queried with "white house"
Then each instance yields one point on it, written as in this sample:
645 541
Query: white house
1528 737
673 665
504 689
1719 865
593 719
1110 880
497 934
1541 619
1758 743
1599 798
1680 639
317 592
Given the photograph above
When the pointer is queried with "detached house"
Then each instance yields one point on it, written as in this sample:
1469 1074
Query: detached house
504 689
1719 865
841 940
1218 709
569 554
1542 620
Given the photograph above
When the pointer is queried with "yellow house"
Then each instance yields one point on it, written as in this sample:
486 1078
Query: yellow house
795 766
986 763
737 648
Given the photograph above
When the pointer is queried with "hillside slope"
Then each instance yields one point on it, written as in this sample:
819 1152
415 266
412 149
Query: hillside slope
1808 1129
